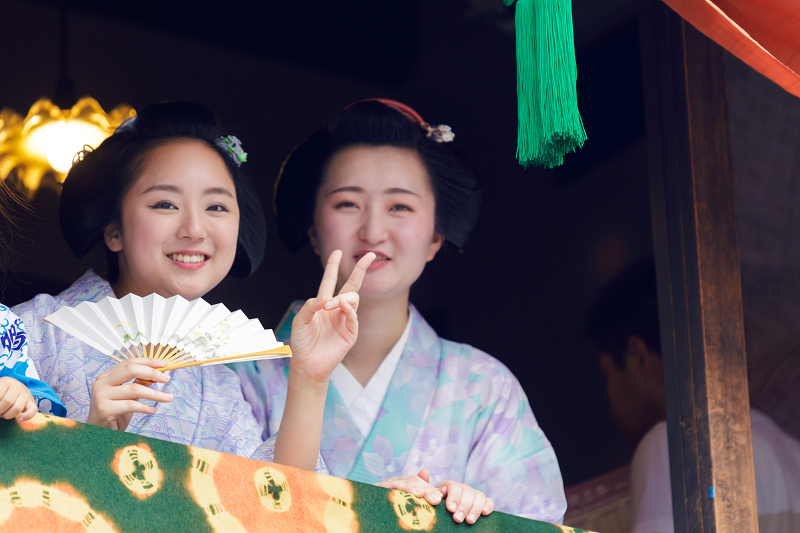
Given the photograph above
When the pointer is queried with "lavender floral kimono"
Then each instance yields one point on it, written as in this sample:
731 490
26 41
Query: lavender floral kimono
450 408
208 410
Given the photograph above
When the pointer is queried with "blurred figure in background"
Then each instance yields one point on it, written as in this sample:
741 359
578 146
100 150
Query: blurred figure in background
624 326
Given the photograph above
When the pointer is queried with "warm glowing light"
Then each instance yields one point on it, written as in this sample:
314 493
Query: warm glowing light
46 141
58 142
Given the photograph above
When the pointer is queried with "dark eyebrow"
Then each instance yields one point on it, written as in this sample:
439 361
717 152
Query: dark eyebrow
218 190
173 188
393 190
162 187
346 189
398 190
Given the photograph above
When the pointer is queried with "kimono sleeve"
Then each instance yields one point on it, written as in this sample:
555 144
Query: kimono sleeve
14 363
511 459
266 452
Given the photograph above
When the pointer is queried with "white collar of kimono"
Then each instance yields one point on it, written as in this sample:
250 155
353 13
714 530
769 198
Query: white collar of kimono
364 403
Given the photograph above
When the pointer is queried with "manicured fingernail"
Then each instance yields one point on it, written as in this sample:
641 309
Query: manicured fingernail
437 496
452 506
330 305
459 516
418 492
471 519
166 395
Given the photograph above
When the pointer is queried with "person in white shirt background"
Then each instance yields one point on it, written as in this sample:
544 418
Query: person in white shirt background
624 326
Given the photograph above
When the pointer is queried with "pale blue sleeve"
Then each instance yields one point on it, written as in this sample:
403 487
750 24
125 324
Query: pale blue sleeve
264 387
511 459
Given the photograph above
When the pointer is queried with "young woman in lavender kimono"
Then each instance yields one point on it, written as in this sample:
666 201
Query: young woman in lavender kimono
404 400
167 197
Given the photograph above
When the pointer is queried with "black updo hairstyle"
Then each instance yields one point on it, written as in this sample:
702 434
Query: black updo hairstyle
373 123
96 184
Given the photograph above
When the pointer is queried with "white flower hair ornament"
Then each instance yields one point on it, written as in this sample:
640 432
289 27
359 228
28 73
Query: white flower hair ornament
233 146
440 133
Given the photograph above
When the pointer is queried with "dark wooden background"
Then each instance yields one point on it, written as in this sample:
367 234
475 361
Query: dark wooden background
546 240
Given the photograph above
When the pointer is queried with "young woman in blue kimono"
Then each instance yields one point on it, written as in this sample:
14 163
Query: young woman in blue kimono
22 393
404 402
167 198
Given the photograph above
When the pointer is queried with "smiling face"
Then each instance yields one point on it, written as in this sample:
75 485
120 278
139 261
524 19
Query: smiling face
377 199
179 224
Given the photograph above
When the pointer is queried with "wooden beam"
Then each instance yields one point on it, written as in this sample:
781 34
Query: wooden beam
699 284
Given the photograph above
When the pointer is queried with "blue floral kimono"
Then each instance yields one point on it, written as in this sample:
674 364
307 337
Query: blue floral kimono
450 408
207 411
14 363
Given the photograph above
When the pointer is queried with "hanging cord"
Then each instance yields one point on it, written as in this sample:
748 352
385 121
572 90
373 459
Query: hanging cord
65 89
549 122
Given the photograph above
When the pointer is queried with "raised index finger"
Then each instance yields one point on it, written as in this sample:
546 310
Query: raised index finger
331 274
357 277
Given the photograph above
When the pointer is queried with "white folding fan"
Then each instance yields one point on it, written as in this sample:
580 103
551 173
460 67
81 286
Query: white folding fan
180 332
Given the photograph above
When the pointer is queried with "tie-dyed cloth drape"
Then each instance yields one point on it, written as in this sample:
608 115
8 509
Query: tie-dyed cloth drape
60 475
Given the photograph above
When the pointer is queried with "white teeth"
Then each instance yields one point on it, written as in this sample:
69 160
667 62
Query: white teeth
187 258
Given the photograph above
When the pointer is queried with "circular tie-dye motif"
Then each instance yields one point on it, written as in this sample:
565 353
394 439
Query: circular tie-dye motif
273 489
415 514
339 516
138 470
31 506
40 420
204 491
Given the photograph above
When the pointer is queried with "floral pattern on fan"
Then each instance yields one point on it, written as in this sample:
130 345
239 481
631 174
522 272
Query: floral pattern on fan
181 332
126 338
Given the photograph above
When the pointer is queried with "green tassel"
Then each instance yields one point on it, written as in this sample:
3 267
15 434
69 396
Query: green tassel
549 122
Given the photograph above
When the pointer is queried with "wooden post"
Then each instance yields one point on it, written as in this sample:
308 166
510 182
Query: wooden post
699 285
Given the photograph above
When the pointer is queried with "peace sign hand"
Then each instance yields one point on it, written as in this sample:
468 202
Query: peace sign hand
326 327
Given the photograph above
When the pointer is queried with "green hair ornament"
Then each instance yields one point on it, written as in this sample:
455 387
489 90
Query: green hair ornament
233 145
549 122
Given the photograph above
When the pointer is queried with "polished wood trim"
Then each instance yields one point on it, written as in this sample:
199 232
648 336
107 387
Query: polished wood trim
699 284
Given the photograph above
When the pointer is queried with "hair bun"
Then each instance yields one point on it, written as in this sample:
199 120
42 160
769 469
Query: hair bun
292 197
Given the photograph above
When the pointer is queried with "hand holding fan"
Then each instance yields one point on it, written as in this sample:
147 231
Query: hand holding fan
180 332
